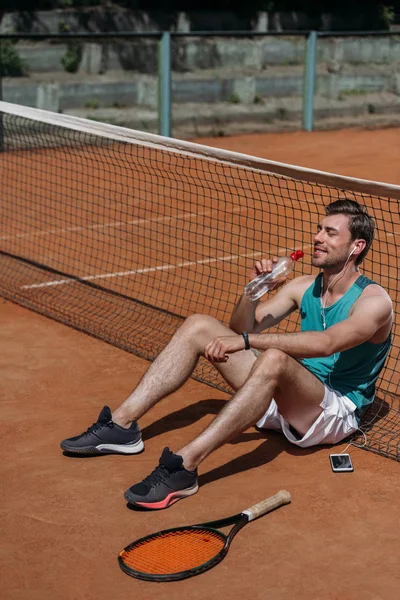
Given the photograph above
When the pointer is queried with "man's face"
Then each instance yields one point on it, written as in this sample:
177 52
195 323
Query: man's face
333 243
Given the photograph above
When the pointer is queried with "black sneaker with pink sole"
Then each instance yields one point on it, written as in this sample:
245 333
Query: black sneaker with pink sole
168 483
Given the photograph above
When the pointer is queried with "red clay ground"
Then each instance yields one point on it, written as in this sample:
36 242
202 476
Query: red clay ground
64 520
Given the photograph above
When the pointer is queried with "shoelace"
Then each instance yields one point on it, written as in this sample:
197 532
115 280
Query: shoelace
96 426
157 476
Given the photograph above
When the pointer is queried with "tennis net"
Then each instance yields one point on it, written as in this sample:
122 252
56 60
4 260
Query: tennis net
122 234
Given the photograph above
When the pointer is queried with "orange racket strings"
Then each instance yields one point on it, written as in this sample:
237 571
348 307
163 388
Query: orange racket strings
174 551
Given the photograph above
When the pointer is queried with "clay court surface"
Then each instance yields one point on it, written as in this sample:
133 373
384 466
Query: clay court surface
64 520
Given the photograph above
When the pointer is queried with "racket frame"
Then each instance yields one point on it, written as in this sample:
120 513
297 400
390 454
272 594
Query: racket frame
239 520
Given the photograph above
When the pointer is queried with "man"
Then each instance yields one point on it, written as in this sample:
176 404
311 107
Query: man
312 385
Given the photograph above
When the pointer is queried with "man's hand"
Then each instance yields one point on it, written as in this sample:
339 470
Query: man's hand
265 265
219 348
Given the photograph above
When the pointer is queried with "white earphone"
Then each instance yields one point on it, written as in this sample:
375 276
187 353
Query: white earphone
330 286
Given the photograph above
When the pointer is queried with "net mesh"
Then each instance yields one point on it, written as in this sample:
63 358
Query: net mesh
122 235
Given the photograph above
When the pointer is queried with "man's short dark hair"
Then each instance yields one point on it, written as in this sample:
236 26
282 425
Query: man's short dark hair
361 224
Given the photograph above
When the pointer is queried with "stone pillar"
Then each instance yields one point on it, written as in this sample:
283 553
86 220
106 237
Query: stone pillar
183 23
7 23
395 83
245 89
262 21
333 87
48 97
92 59
334 68
147 91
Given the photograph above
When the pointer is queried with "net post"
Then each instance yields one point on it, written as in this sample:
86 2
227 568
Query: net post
164 84
309 81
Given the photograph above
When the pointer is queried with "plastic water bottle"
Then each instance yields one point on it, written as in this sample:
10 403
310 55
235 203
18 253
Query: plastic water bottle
266 281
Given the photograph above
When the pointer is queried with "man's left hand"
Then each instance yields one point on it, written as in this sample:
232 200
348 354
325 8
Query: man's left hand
219 348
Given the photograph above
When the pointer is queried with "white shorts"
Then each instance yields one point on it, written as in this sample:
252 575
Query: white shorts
337 421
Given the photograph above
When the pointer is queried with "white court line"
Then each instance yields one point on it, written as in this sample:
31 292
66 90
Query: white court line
115 224
98 226
151 269
139 271
57 282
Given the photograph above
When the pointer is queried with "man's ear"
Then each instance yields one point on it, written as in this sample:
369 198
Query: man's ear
358 247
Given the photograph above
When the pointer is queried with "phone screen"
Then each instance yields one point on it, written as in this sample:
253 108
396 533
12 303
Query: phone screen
341 462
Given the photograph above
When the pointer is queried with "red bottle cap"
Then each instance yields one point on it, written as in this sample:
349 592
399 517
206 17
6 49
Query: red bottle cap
296 255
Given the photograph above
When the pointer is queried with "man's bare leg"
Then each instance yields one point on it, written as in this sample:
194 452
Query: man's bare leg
297 392
175 364
274 374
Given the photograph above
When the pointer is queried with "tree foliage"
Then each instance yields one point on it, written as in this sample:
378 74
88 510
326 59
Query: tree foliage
11 64
377 14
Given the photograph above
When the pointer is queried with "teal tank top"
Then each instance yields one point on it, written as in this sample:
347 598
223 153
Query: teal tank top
352 372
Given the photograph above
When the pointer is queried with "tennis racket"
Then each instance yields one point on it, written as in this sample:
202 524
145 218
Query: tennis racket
183 552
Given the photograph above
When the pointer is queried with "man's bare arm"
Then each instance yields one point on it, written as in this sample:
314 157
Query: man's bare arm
257 316
368 316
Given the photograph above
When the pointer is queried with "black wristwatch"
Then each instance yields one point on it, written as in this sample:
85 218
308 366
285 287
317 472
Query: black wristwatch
246 340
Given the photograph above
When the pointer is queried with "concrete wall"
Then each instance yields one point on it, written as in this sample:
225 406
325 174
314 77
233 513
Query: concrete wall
205 70
192 54
143 90
361 50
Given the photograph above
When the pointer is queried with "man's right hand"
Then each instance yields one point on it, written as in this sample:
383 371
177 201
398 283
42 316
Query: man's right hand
265 265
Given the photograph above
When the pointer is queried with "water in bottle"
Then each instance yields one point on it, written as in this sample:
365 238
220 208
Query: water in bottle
266 281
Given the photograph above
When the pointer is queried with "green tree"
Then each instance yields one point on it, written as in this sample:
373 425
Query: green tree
11 64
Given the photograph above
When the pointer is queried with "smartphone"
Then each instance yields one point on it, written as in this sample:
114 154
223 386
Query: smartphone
341 463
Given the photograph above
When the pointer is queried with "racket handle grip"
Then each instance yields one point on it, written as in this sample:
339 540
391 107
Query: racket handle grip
265 506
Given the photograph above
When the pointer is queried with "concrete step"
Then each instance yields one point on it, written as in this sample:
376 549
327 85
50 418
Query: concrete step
191 120
118 88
